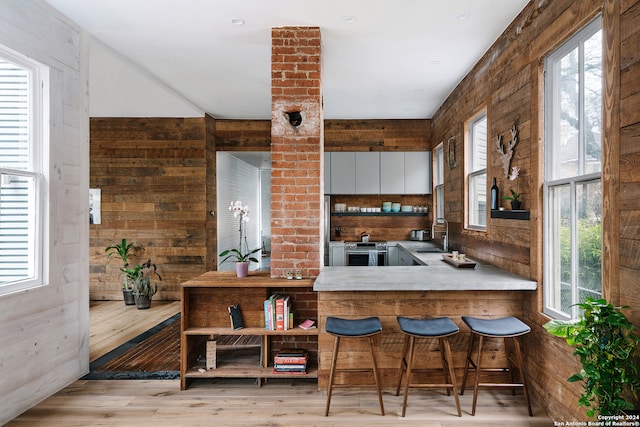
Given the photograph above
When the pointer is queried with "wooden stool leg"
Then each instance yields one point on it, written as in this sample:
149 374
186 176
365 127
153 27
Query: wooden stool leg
451 371
375 375
516 344
403 363
412 341
466 363
332 372
445 371
477 379
512 374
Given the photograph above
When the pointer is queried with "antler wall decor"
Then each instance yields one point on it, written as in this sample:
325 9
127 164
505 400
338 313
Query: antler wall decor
507 154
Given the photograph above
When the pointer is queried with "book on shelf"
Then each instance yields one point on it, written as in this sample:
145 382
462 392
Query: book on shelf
277 371
236 317
290 368
288 358
282 313
307 324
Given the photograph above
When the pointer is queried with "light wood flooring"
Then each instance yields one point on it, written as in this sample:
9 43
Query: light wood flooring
234 402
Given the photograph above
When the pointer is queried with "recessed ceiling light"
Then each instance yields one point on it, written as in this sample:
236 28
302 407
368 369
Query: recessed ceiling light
463 16
349 19
237 21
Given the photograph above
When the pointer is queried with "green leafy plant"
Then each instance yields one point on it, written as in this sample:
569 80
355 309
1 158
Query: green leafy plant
140 277
241 212
124 251
515 173
606 344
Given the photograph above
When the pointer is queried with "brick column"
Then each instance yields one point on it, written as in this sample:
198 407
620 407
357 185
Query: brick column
296 151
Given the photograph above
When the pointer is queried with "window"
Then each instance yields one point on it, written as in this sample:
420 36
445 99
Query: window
439 181
572 188
477 171
21 172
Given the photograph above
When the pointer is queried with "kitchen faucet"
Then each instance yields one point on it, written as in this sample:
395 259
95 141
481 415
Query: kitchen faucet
445 238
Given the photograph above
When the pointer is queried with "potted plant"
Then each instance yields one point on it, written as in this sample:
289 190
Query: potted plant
140 278
242 258
606 344
124 251
514 197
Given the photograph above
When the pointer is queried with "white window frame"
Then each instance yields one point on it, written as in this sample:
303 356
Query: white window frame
552 241
33 171
438 180
476 173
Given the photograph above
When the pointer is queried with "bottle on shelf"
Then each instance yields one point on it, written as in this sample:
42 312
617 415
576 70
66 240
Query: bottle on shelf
494 195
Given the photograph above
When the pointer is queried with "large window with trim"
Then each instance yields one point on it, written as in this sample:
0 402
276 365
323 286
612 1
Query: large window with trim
572 187
476 162
23 83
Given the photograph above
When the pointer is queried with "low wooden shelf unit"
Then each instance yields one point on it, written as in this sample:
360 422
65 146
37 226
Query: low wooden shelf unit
205 300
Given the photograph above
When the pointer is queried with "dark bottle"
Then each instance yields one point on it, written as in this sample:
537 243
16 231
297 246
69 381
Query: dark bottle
494 195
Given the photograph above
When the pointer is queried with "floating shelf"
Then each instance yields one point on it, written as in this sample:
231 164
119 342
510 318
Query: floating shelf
512 214
379 214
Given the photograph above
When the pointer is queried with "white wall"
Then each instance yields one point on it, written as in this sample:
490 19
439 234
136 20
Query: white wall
237 180
44 333
120 88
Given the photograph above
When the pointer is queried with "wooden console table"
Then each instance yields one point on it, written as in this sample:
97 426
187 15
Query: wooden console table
205 300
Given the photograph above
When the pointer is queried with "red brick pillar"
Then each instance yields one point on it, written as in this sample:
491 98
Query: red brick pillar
297 147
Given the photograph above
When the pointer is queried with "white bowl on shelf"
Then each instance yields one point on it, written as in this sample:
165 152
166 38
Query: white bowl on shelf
406 208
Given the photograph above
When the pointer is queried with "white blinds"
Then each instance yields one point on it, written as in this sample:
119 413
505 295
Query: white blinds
237 180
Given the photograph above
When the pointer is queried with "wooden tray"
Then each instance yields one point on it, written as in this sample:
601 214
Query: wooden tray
448 258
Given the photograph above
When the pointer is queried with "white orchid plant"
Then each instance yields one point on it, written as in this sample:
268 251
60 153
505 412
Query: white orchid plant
241 212
515 196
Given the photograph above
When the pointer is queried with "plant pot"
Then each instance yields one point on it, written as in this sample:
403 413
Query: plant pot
242 269
516 205
128 297
143 302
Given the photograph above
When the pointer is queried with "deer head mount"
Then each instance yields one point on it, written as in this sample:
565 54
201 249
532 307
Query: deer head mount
507 154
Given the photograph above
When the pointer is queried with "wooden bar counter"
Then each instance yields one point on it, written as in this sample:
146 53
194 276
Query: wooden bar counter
437 289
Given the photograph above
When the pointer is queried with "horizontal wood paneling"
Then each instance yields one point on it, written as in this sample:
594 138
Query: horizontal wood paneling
152 173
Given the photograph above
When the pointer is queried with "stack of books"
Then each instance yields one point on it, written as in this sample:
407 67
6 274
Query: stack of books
277 313
290 361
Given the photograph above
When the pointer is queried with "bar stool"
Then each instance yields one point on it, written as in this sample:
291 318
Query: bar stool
353 328
441 328
507 327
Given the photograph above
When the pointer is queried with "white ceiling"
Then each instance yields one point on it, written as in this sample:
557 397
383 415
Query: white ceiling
399 59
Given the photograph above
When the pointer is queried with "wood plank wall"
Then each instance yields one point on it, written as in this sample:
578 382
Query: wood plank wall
158 182
508 83
153 179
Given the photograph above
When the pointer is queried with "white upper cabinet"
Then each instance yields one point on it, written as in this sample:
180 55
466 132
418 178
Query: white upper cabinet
392 173
343 173
367 172
417 172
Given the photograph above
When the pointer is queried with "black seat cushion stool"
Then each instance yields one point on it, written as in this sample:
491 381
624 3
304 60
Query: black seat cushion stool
348 329
508 328
440 328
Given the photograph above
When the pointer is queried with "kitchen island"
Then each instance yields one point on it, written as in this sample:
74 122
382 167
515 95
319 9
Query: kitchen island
432 290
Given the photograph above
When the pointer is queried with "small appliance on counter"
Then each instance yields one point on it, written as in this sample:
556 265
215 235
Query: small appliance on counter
421 235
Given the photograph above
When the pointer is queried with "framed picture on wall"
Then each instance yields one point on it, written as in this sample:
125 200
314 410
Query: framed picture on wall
94 206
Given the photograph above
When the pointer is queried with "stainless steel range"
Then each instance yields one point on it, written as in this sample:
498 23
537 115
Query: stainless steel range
365 253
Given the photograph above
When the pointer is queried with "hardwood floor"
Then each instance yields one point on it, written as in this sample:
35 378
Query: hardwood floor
234 402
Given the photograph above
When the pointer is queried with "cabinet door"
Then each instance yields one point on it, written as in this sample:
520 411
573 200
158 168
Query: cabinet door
367 172
392 173
336 256
327 173
417 172
343 173
404 257
392 255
